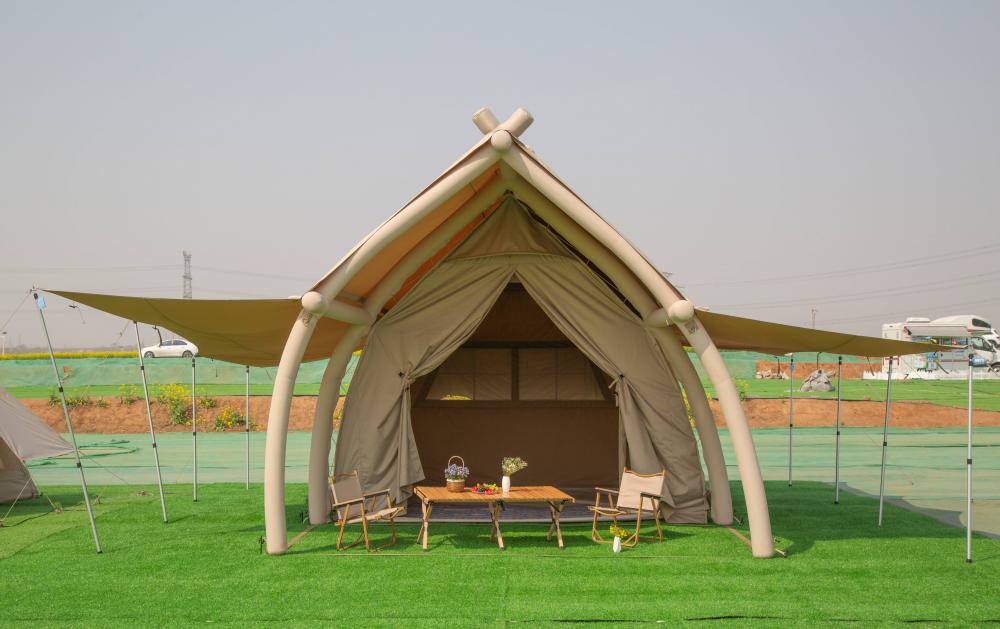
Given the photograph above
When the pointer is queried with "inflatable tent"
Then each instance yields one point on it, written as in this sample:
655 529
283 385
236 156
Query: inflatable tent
23 437
498 311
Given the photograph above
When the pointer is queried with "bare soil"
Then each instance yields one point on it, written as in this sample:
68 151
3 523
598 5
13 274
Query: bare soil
850 371
117 418
771 413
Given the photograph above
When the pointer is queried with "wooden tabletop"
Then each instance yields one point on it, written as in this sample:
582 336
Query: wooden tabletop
542 493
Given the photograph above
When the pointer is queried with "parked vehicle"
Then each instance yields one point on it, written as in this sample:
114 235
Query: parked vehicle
965 334
171 348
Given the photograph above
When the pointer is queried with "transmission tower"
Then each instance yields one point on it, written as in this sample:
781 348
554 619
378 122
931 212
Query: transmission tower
187 275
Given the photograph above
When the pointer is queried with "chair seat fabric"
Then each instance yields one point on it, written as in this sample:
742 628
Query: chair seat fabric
381 514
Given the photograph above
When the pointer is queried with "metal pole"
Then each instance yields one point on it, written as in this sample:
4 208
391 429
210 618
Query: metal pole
791 413
248 426
968 475
836 448
149 417
69 425
885 442
194 431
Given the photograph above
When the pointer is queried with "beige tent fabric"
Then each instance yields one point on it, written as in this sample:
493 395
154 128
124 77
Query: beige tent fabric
657 432
242 331
435 318
23 437
739 333
417 335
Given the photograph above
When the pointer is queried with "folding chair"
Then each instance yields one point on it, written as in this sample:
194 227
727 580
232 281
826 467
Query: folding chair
637 493
353 506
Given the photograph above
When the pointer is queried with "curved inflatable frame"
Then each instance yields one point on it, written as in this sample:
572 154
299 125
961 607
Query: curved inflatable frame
531 182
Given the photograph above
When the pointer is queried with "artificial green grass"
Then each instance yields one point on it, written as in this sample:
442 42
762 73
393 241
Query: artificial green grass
206 566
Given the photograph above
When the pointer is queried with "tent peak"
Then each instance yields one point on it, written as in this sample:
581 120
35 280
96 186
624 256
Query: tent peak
488 123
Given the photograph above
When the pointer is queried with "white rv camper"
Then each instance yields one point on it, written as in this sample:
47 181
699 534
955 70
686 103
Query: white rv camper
962 333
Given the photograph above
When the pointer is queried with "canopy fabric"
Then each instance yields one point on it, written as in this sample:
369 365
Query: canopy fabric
23 437
739 333
254 331
243 331
447 306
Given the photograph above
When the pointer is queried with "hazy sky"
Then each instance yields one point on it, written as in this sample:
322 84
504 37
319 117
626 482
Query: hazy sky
773 156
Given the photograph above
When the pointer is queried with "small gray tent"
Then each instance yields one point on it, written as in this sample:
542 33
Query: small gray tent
23 437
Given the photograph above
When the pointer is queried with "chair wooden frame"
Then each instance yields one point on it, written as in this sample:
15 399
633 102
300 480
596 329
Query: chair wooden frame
366 513
614 512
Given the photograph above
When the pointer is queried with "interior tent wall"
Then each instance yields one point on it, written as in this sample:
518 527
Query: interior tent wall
523 389
443 310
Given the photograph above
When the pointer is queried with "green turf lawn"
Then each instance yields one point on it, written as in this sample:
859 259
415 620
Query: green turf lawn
205 566
985 393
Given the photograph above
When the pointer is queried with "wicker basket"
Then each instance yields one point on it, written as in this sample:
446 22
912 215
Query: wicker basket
455 485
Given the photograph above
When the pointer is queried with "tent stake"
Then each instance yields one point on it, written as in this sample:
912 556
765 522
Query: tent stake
885 442
836 447
968 473
69 424
149 417
194 432
791 413
247 418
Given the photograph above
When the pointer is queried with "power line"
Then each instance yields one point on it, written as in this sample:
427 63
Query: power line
874 268
980 278
297 278
87 269
909 311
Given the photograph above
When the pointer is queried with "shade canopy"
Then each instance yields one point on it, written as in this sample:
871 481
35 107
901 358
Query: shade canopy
253 331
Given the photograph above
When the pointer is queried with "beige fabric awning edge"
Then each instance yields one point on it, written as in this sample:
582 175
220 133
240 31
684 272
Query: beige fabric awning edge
254 331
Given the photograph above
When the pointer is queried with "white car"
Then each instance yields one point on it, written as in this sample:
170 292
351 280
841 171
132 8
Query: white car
175 347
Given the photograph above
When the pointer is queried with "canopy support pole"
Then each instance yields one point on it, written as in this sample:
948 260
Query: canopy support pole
149 418
69 425
247 420
791 413
194 433
885 442
836 447
968 472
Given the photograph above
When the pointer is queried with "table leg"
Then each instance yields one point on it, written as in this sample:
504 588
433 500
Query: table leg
426 508
495 516
556 512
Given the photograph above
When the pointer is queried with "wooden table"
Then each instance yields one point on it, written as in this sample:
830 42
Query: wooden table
545 494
